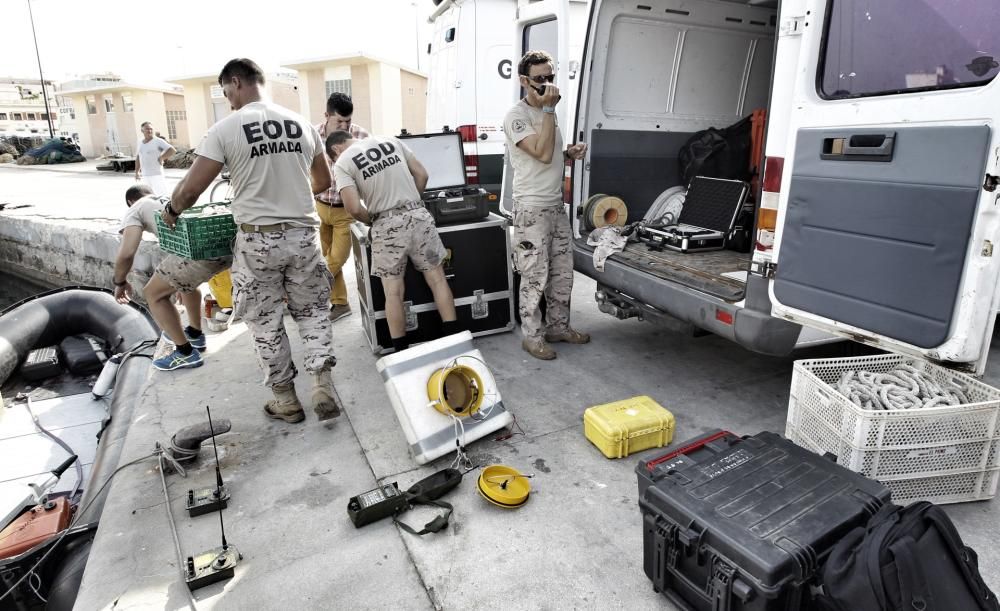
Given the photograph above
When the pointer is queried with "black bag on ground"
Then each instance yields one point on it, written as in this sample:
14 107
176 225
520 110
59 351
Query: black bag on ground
908 558
717 153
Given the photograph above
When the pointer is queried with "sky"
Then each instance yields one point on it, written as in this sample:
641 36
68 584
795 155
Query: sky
148 41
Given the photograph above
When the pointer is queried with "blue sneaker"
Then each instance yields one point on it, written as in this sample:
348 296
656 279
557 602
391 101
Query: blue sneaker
198 343
176 360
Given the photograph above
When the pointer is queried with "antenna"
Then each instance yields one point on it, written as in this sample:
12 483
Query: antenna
218 478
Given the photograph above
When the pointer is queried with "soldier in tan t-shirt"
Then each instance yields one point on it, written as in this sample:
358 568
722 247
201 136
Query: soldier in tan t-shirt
542 235
384 173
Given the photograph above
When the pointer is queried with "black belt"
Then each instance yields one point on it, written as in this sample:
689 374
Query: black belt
329 204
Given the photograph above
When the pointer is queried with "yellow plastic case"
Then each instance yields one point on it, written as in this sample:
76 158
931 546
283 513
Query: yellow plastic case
625 427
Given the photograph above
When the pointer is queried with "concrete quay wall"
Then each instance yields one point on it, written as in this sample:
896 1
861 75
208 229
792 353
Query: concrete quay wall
58 252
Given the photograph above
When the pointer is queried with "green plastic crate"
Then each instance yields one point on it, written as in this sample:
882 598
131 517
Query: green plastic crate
198 237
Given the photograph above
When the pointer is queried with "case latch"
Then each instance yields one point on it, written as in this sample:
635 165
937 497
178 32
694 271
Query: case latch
411 316
480 307
721 585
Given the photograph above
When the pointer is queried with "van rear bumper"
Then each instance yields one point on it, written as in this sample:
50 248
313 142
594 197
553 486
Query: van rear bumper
752 327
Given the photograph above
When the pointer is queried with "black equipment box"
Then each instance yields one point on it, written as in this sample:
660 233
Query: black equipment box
83 354
745 524
478 271
707 220
447 195
41 363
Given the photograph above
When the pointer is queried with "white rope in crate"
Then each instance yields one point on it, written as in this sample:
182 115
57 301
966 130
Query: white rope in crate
904 387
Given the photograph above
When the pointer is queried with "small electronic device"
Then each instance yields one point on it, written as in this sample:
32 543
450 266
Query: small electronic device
382 502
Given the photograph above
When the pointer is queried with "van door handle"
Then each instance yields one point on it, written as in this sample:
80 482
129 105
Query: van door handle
860 147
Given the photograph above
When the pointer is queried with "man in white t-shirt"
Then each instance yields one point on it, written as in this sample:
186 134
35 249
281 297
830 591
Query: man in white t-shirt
386 175
173 274
277 165
542 235
151 152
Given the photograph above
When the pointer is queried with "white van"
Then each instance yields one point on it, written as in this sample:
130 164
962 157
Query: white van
472 60
879 209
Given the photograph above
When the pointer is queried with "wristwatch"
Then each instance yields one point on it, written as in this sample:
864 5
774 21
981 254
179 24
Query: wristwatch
548 109
169 208
116 283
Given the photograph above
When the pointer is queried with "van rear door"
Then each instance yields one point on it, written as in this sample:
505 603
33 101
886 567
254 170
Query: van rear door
889 210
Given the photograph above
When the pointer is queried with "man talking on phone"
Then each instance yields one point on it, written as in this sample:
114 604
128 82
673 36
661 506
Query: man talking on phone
542 235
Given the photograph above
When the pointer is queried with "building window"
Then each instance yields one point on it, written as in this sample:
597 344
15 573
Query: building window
3 116
91 105
31 116
68 111
173 116
109 103
339 86
127 102
16 116
215 92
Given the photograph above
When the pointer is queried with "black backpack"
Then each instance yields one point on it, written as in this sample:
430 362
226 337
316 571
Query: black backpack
909 559
717 153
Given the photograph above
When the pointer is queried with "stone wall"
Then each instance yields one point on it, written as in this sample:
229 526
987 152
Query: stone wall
58 254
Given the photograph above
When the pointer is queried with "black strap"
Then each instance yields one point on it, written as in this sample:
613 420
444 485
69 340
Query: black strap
436 525
912 581
872 549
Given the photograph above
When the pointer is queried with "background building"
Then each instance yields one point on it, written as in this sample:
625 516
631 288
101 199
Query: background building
22 108
205 103
108 115
387 97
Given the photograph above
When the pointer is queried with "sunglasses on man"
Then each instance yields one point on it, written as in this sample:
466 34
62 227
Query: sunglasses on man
541 79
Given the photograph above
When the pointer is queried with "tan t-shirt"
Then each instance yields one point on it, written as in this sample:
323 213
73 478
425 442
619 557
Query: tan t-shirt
269 150
535 183
143 213
376 166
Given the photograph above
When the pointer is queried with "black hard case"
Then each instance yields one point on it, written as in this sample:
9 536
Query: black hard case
478 272
733 524
449 200
41 363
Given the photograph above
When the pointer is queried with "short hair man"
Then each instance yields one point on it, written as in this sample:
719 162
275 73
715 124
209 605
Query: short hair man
151 152
384 172
542 236
335 222
173 274
276 161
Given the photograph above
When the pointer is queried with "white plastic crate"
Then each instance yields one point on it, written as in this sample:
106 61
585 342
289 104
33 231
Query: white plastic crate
942 454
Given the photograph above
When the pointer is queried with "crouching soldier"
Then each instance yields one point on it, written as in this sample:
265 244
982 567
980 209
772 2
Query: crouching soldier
385 174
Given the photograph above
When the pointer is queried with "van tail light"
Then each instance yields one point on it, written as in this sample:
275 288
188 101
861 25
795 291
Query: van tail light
468 134
773 167
767 212
568 183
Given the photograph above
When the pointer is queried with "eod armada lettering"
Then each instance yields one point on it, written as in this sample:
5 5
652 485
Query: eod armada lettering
289 132
376 159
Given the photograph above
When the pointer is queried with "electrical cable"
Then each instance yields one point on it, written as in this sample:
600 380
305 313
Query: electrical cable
65 532
62 444
173 526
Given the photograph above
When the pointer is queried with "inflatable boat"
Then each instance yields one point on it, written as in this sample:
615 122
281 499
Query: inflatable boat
71 369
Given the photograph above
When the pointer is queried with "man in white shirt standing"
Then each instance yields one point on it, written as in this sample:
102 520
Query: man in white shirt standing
277 164
151 152
542 235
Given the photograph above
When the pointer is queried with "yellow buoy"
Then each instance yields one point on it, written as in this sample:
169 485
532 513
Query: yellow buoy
504 486
455 390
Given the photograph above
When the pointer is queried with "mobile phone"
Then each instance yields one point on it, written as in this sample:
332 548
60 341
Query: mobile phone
541 91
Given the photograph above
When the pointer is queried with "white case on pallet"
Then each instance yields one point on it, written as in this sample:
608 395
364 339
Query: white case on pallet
941 454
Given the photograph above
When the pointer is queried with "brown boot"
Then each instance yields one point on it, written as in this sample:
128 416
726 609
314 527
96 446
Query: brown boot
326 402
568 335
537 348
285 405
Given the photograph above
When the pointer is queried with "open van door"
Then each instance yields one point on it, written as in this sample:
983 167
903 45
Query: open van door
889 209
540 26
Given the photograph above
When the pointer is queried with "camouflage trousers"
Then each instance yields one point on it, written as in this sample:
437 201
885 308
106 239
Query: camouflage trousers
267 268
543 254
